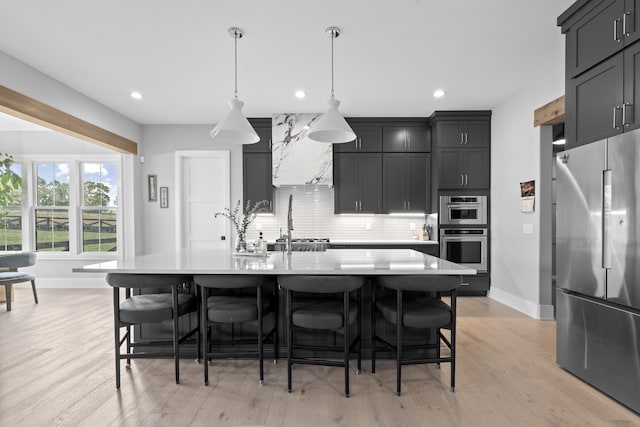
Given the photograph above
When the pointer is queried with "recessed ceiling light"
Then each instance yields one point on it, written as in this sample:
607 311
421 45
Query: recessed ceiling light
136 95
439 93
301 94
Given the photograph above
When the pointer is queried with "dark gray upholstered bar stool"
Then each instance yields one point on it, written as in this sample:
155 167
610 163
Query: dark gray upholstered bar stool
426 311
12 262
328 313
230 306
150 308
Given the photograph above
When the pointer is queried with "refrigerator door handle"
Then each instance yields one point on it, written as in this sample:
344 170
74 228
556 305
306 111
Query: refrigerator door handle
606 218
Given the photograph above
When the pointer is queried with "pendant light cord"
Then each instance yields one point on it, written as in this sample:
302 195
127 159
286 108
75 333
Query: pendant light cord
333 36
235 90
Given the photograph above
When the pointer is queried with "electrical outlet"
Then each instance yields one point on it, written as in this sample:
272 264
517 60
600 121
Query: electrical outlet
412 226
258 226
367 226
527 229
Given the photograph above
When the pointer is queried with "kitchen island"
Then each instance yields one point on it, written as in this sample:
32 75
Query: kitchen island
352 262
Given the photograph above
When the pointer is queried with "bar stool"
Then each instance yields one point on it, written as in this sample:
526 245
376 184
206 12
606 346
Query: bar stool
227 307
329 313
150 308
424 312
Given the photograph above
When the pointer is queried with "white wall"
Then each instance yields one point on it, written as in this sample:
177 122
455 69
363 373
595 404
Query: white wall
160 144
520 276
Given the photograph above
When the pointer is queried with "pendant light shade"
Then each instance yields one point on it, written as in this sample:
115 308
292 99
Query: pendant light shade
332 128
234 127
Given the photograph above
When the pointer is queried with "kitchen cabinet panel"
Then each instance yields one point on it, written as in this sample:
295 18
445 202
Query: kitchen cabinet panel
368 139
632 87
263 129
358 182
256 183
463 168
403 139
463 133
406 182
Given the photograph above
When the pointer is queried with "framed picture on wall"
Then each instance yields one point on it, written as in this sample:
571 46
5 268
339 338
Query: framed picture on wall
164 197
153 187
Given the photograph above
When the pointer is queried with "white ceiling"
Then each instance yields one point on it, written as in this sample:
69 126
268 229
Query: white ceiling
390 56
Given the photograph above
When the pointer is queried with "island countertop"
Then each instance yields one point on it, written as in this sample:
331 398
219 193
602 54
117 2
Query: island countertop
332 262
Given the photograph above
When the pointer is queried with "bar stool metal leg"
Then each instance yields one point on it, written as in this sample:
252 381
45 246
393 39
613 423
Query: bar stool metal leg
116 324
346 344
260 342
204 325
289 338
35 293
176 347
399 342
373 330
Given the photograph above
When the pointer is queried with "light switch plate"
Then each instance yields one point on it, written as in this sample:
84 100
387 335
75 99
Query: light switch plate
367 226
412 226
527 228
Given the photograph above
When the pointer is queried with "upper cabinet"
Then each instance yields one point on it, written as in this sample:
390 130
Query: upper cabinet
406 139
406 182
358 182
368 139
464 133
263 129
596 30
603 62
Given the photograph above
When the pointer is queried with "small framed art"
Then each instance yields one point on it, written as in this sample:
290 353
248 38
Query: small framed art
164 197
153 187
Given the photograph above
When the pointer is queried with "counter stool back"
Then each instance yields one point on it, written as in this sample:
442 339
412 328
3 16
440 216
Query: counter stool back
426 311
229 306
12 262
336 314
150 308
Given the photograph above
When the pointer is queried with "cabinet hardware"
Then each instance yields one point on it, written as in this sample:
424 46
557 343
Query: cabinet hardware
271 205
625 31
270 144
624 114
615 30
356 202
615 117
360 205
466 138
408 205
466 180
461 138
461 180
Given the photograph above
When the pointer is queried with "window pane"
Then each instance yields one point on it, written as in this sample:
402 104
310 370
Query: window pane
10 229
52 184
99 230
52 230
100 184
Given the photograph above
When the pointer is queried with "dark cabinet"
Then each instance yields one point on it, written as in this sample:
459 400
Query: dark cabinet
263 129
462 134
256 183
403 139
358 181
406 182
463 168
597 31
602 101
368 139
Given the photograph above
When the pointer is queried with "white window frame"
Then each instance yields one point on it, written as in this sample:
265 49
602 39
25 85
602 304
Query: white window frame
29 176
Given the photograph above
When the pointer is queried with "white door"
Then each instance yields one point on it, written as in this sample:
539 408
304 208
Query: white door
203 183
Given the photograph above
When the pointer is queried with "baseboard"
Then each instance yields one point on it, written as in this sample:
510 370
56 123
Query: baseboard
536 311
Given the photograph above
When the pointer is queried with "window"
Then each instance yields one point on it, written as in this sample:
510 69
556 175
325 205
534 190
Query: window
52 207
11 215
99 207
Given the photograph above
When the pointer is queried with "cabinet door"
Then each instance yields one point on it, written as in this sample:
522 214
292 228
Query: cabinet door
477 134
394 139
632 21
632 88
450 133
257 179
418 139
262 146
394 175
418 181
370 182
368 139
595 37
476 168
594 103
345 180
449 173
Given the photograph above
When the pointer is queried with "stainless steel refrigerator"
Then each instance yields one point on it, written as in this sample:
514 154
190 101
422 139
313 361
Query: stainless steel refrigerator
598 265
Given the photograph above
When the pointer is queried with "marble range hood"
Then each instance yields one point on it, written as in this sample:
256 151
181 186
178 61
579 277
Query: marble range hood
296 159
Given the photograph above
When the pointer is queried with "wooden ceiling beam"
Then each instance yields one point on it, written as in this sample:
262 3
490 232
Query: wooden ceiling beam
34 111
550 114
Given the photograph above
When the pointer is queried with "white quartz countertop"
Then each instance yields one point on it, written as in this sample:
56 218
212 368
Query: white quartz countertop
384 242
332 262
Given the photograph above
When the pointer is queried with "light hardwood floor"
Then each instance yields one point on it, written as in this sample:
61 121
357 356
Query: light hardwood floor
56 368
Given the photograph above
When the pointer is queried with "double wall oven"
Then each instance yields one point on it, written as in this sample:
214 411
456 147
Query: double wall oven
463 230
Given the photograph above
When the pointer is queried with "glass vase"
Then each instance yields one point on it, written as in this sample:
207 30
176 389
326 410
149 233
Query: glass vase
240 244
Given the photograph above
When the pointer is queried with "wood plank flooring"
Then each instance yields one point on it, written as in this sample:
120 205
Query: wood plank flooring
57 368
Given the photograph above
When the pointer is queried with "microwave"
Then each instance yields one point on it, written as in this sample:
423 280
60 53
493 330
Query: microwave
463 210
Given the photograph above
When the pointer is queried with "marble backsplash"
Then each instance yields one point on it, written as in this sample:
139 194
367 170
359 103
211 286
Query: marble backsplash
313 216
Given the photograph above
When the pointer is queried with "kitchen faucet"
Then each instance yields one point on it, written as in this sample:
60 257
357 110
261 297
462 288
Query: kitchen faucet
289 225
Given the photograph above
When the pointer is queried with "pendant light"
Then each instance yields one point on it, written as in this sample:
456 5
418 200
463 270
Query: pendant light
234 127
332 128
